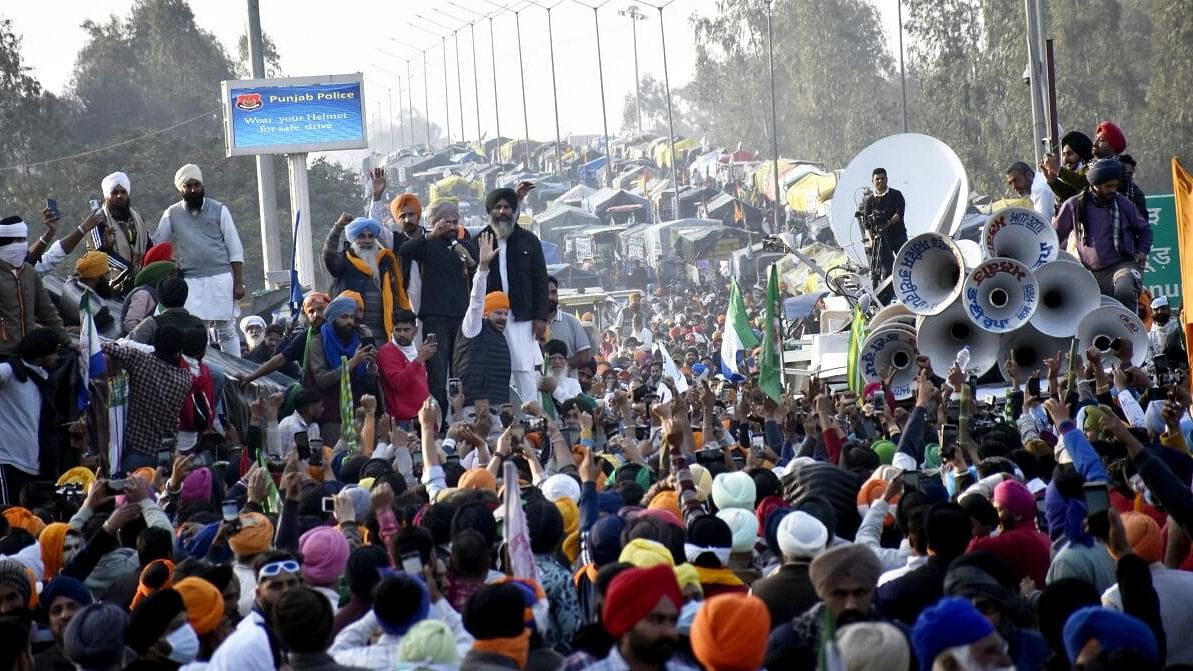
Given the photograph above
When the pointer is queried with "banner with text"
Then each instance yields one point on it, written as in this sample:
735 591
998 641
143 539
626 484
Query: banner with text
294 115
1162 277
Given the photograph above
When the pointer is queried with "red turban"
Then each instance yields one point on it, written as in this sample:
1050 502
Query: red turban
633 595
1113 135
163 251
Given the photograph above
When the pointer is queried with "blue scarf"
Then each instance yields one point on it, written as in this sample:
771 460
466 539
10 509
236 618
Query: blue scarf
333 349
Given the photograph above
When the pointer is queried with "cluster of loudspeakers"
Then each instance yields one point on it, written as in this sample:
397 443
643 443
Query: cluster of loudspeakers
1014 293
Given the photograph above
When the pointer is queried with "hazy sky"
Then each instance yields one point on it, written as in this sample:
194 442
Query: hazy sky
339 37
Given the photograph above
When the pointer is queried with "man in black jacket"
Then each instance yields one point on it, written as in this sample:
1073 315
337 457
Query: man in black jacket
443 259
521 272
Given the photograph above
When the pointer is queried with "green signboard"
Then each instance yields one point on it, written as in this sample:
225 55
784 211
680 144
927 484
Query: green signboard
1162 277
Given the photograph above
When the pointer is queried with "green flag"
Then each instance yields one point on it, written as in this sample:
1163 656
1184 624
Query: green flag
770 368
347 416
857 335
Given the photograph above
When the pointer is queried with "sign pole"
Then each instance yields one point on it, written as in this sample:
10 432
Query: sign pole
267 200
300 201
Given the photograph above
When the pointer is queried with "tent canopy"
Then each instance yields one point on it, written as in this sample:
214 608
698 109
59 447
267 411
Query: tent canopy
599 202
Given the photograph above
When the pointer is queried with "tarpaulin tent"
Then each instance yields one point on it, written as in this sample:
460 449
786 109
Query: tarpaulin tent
574 196
599 202
808 193
662 151
694 244
563 216
456 187
734 212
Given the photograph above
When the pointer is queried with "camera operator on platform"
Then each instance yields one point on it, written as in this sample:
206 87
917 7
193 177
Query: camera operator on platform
882 221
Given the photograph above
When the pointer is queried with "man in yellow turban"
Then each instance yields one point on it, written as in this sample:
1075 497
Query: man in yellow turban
91 277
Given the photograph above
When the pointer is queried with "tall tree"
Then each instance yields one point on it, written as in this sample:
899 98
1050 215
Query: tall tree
832 77
654 109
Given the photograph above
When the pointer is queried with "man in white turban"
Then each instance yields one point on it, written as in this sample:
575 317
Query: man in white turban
121 233
210 255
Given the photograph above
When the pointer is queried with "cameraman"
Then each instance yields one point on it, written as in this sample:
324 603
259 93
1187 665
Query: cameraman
882 221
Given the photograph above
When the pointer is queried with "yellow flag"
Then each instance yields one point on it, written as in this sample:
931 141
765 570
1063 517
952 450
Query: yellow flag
1182 188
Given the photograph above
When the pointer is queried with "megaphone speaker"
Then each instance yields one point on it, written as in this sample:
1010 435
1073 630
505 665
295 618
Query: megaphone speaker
1022 234
1000 295
891 348
941 336
1111 327
1029 347
1067 293
894 311
927 273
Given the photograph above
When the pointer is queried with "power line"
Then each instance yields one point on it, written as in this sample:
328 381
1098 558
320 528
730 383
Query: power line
97 150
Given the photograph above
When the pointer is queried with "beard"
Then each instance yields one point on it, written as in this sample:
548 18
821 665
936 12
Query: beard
652 652
850 616
103 289
560 374
552 305
1162 319
367 253
343 332
123 212
194 201
503 227
254 340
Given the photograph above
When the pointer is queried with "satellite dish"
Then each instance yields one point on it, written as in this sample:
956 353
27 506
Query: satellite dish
924 169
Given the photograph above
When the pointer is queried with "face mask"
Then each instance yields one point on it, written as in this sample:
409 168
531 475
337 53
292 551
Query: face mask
14 254
184 644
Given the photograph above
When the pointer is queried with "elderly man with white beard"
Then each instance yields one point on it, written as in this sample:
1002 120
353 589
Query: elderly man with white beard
121 234
565 386
520 272
367 268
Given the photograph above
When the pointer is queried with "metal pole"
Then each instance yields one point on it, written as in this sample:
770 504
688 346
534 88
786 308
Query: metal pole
476 94
1035 72
389 95
774 119
267 198
493 60
459 84
596 22
902 73
300 201
635 17
447 105
1053 122
554 94
426 100
522 76
670 118
410 103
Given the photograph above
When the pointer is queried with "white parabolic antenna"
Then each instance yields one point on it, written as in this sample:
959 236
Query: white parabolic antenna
926 170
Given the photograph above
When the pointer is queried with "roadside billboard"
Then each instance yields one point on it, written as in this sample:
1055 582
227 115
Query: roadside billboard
294 115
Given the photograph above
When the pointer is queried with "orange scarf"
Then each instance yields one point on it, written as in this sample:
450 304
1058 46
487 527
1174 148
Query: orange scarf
587 571
717 576
516 648
387 286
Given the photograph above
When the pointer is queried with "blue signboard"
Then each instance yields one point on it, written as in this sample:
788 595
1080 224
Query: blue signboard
294 115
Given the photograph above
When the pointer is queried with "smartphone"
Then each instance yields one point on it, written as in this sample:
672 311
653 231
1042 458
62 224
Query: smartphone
201 458
506 415
165 458
117 486
52 206
517 432
329 504
412 563
302 444
431 339
641 432
454 386
94 204
911 479
368 341
315 456
1160 362
1033 386
231 510
1097 498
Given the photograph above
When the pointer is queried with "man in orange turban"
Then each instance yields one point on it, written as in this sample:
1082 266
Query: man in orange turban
730 632
641 611
482 350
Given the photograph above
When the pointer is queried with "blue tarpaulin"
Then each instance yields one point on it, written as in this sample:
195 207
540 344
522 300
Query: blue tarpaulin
799 307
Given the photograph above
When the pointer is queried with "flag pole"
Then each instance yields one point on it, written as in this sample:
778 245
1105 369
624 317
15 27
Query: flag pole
782 329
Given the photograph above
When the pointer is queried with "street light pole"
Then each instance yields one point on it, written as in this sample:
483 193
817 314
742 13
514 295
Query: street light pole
670 119
426 100
475 91
493 61
554 95
774 119
522 76
447 104
596 22
902 73
635 17
267 197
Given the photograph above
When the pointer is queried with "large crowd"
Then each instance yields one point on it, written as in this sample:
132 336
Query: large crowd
462 474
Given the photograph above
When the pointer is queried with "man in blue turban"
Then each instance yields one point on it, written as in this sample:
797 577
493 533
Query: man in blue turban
367 268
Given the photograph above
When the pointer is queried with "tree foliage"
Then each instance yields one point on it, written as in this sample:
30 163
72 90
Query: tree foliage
654 109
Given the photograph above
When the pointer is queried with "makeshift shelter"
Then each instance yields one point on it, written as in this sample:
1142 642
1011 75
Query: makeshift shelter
811 191
574 196
734 212
552 222
599 202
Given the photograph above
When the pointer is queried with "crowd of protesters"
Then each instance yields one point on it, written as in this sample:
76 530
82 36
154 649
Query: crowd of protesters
464 475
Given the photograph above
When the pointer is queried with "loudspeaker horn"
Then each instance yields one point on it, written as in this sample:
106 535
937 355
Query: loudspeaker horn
1019 233
886 349
895 311
1062 255
1102 326
941 336
1067 293
1110 302
1029 347
928 273
1000 295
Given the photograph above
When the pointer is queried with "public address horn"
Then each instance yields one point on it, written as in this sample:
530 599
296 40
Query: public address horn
928 273
1068 292
890 348
1029 347
1000 295
942 336
1101 327
1019 233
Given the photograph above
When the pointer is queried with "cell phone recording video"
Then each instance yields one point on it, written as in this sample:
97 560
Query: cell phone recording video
1097 498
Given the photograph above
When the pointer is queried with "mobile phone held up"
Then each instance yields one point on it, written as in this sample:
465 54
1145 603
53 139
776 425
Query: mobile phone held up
1097 498
52 206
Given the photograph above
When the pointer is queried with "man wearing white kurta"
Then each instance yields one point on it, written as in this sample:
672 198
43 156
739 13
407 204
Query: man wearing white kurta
522 275
209 255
